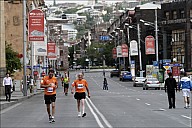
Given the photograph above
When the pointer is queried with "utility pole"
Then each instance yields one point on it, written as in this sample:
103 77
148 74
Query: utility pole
24 50
156 37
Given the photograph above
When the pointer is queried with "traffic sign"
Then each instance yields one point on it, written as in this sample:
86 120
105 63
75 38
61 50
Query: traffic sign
104 38
166 67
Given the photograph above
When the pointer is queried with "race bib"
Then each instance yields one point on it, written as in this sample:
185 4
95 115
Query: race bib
50 89
80 86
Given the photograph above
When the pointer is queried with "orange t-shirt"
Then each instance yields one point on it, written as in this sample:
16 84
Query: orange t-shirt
46 81
80 85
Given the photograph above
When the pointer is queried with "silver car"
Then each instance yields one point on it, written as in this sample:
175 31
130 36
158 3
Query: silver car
139 81
151 83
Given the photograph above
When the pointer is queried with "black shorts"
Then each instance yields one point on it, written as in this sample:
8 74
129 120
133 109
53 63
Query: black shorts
66 85
80 96
49 98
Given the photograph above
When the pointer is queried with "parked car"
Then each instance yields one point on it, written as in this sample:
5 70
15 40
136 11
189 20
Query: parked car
139 81
125 75
151 83
114 73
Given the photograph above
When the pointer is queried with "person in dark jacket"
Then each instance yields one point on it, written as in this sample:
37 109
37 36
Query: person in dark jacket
170 87
105 84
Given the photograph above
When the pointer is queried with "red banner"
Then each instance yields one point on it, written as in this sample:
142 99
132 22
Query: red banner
150 45
36 25
114 52
124 50
51 50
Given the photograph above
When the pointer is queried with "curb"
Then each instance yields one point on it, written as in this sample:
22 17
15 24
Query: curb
15 101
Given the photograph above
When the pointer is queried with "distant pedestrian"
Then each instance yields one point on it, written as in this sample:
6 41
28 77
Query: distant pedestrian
186 85
170 87
81 86
7 82
50 84
105 84
66 81
103 72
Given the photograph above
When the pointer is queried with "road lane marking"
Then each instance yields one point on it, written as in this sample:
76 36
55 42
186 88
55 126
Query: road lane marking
100 114
186 117
9 108
95 115
162 109
147 104
137 99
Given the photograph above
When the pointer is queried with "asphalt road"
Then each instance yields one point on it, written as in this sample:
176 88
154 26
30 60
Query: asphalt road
121 106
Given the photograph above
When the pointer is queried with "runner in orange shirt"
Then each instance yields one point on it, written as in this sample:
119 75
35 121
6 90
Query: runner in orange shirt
80 87
50 84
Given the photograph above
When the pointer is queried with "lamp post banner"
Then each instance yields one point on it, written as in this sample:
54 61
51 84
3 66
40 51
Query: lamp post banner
51 51
119 51
114 52
133 48
124 50
150 45
36 25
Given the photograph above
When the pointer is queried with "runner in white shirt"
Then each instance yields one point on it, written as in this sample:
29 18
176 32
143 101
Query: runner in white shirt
7 82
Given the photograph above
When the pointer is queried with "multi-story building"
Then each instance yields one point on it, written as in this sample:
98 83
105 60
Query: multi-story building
12 29
177 31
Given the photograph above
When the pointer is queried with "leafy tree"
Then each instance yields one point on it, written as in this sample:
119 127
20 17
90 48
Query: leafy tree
12 61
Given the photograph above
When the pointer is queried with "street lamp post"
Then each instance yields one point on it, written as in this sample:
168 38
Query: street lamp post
156 37
128 40
24 50
139 39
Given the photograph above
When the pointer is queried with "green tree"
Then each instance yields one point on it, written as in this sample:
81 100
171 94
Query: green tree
12 61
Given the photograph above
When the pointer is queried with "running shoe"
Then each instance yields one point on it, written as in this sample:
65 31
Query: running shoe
53 119
50 119
79 114
84 114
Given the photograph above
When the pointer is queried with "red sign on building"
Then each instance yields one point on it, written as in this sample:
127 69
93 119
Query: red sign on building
150 45
51 50
36 25
175 71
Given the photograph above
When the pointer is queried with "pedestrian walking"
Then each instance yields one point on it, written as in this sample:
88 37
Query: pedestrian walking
50 84
105 84
81 86
8 84
186 85
170 87
66 81
103 72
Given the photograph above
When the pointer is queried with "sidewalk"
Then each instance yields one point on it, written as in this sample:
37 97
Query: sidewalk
16 97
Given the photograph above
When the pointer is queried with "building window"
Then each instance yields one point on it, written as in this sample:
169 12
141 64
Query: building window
178 47
182 14
167 15
174 14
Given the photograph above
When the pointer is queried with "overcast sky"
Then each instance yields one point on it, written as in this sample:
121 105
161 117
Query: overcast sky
79 1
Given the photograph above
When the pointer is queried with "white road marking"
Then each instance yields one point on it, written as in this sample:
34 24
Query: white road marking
162 109
137 99
147 104
100 114
95 115
186 117
9 108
